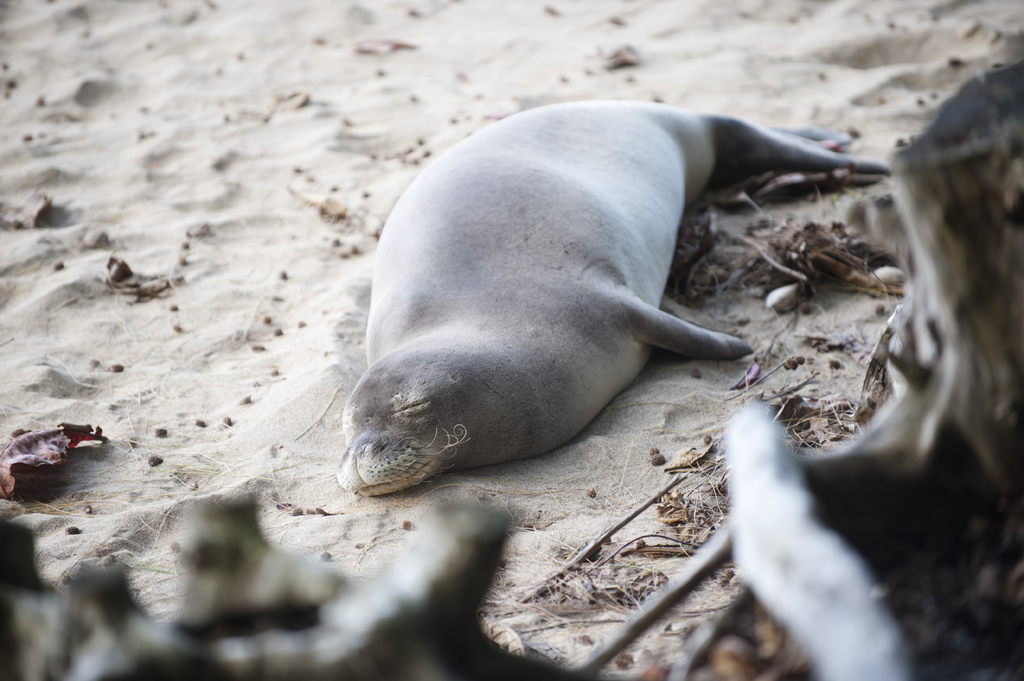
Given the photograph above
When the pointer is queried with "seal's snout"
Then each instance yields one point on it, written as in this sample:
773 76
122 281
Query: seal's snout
348 473
377 464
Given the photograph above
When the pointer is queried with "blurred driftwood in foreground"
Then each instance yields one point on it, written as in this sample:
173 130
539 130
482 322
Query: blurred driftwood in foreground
256 613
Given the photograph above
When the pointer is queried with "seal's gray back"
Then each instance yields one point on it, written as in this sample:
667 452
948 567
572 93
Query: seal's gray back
541 209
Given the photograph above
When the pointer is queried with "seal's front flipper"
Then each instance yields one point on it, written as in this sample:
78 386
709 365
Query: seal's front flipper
652 326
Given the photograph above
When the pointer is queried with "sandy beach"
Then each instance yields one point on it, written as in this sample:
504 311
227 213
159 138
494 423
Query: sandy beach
246 156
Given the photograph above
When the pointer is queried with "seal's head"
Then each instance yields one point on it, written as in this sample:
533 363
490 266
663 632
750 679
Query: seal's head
402 422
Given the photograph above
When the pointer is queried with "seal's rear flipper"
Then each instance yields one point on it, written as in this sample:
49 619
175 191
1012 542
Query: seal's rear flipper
652 326
743 150
820 134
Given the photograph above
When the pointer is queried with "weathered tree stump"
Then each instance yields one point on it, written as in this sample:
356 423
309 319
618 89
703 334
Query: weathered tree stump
955 439
943 459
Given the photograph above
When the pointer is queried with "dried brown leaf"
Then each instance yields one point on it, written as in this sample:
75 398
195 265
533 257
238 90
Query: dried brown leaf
41 447
38 448
688 457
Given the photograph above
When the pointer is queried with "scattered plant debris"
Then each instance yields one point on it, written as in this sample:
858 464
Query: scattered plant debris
28 214
627 55
847 338
815 422
749 377
122 279
772 255
382 46
278 103
331 209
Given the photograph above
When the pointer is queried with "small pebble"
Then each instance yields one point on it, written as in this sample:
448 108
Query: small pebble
246 400
310 511
173 308
283 275
791 364
657 458
267 320
256 347
835 364
624 661
275 372
800 359
185 245
695 373
336 243
116 368
96 238
880 310
182 261
325 556
154 461
160 432
320 511
87 509
591 492
297 512
94 363
302 324
228 421
176 328
200 423
278 332
406 525
18 433
586 640
58 266
73 530
707 439
40 101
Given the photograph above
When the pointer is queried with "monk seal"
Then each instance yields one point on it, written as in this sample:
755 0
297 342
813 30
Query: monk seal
516 285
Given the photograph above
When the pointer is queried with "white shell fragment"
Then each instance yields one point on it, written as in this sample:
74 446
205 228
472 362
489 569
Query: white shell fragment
890 276
784 298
